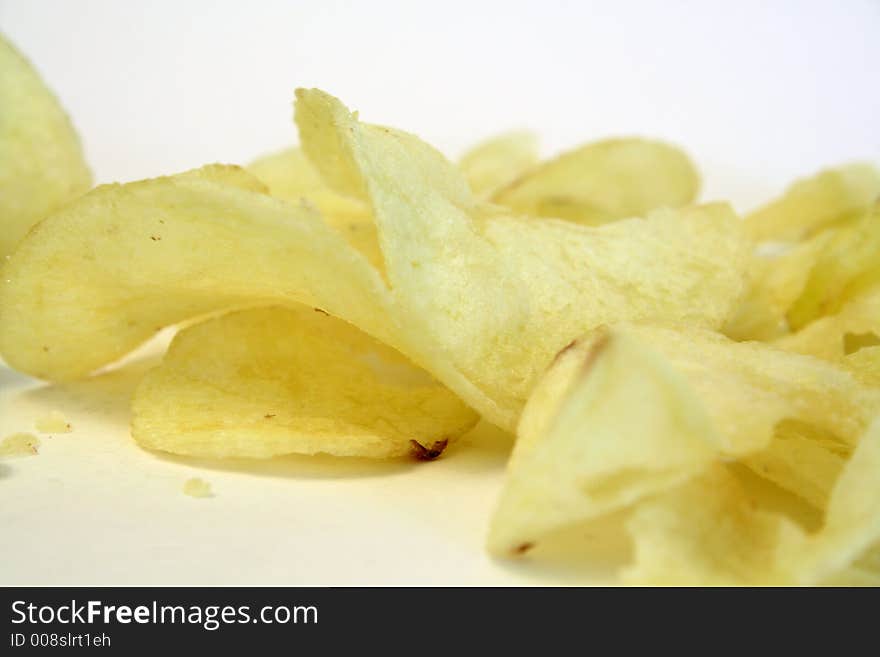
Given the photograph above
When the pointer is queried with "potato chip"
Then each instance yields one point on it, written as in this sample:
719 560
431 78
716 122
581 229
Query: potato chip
605 181
499 161
290 380
814 203
584 451
41 159
498 297
610 424
104 274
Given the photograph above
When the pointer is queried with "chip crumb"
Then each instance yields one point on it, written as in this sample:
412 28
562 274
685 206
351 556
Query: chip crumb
196 487
54 422
20 444
422 453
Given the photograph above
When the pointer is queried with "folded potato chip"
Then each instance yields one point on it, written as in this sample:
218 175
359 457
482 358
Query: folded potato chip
41 159
611 423
811 204
105 273
605 181
639 409
497 297
263 382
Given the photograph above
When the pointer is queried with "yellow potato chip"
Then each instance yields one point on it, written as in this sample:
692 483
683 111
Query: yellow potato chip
290 380
499 161
605 181
41 159
93 281
638 409
814 203
498 296
610 424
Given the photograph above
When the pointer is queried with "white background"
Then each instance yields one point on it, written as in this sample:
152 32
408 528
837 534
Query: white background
758 92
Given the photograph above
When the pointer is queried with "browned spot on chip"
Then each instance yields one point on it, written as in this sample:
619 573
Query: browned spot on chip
422 453
597 348
45 348
155 238
562 351
522 548
322 311
269 416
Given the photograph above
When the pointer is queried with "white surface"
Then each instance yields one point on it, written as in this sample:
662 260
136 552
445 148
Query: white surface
758 93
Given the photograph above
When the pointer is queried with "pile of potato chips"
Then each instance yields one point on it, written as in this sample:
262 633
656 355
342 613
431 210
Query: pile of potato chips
707 386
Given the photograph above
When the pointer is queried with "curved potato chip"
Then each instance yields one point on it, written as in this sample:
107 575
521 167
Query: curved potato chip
41 158
105 273
605 181
496 162
610 423
637 409
290 175
290 380
813 203
498 296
